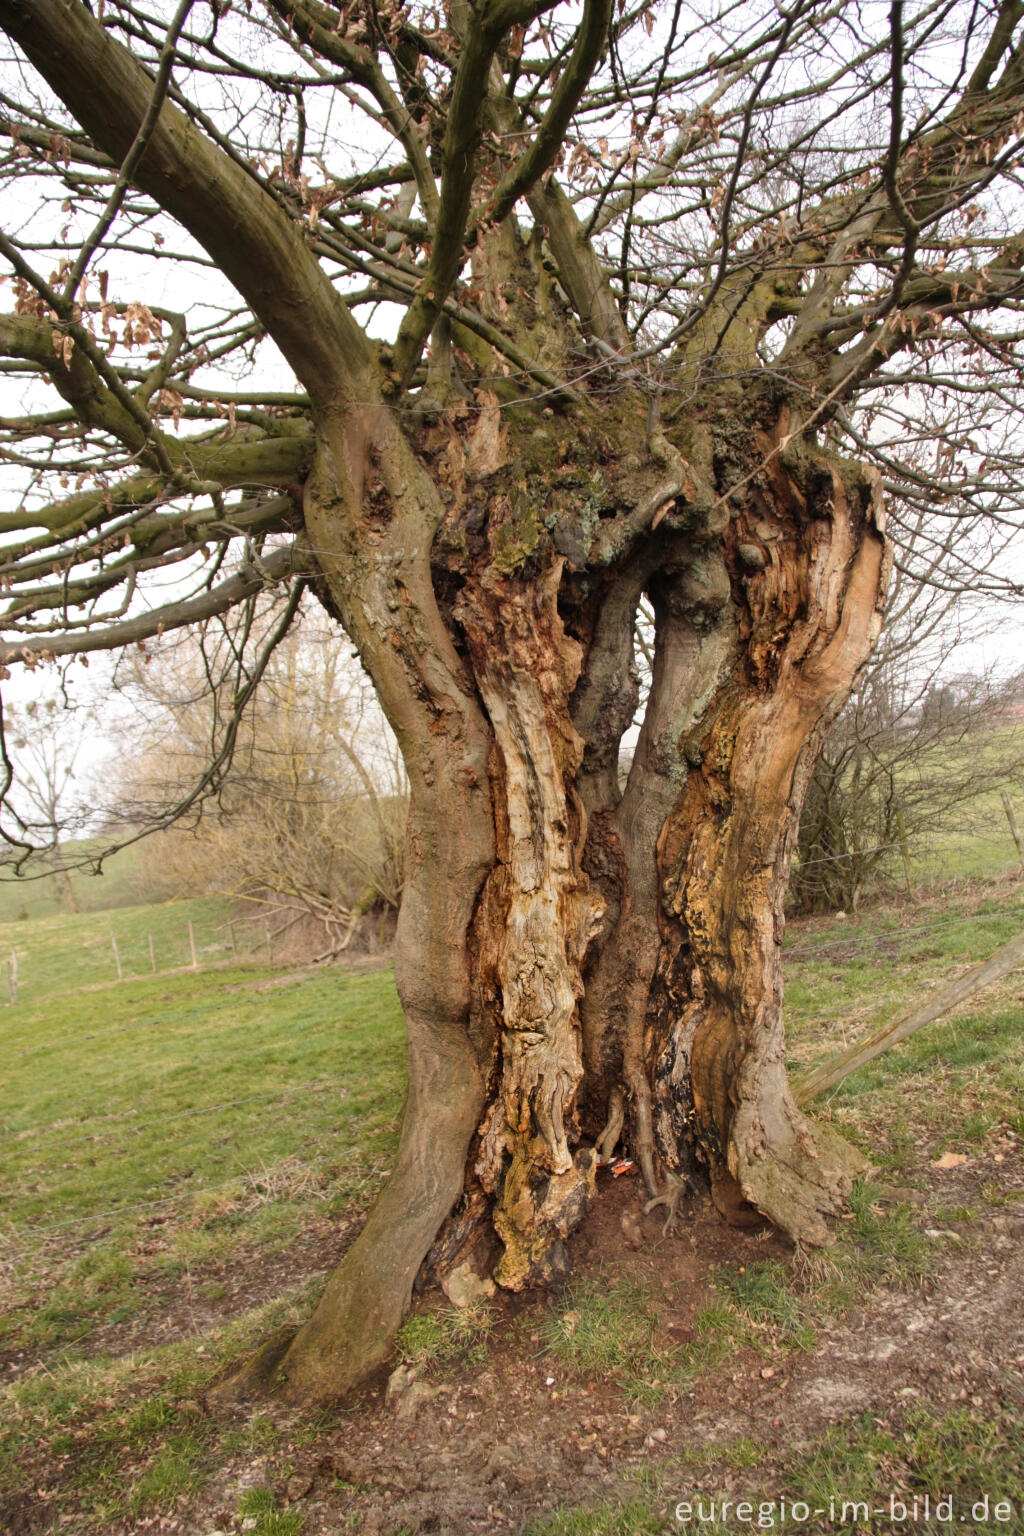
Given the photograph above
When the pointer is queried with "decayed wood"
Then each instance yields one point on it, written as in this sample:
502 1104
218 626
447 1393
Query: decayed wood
829 1074
526 667
811 561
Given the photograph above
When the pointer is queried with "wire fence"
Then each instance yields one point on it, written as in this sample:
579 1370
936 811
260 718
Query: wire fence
130 953
887 935
984 844
216 944
20 1241
981 842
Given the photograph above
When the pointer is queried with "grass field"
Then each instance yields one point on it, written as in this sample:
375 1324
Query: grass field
61 953
163 1142
961 834
25 898
182 1156
203 1091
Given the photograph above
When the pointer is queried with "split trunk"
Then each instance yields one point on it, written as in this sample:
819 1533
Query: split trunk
589 943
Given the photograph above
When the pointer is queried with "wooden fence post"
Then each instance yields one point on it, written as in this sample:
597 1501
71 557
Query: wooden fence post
117 958
1011 817
152 954
192 945
12 976
905 850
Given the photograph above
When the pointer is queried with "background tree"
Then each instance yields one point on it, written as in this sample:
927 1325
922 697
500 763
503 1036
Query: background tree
45 809
916 753
658 285
308 820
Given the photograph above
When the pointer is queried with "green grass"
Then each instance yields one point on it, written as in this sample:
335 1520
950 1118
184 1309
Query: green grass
260 1505
236 1098
160 1142
844 977
615 1328
965 841
965 1456
64 955
846 969
175 1469
446 1336
244 1111
764 1292
28 899
974 842
155 1137
604 1328
634 1519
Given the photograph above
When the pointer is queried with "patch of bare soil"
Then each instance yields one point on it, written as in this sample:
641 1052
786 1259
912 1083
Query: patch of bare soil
491 1449
515 1447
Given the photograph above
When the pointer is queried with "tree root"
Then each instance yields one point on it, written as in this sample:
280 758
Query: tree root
676 1185
796 1174
608 1138
257 1377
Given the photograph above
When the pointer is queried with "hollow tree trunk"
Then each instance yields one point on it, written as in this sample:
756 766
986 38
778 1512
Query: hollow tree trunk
573 952
635 937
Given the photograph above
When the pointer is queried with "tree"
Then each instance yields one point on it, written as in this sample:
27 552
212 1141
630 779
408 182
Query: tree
308 818
657 288
45 736
912 752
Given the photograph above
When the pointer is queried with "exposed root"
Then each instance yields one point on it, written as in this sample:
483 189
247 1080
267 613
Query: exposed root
643 1123
257 1377
794 1173
676 1186
608 1139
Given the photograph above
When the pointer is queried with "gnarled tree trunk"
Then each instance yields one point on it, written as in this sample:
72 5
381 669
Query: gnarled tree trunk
569 945
582 961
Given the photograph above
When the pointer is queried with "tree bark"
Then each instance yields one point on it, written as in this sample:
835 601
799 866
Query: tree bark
569 947
763 619
810 558
526 668
375 578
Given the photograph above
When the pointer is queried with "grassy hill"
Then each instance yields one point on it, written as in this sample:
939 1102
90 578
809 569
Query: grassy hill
62 953
35 894
183 1157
